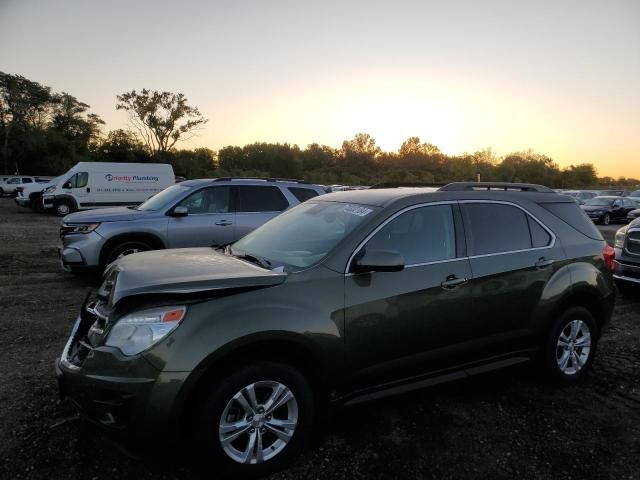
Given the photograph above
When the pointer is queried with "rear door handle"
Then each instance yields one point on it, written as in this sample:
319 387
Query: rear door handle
452 282
224 223
543 263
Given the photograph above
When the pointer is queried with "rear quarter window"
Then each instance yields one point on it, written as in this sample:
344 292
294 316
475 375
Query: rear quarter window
571 214
303 194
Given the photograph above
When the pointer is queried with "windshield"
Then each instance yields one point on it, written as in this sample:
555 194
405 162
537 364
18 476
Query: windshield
303 235
599 202
162 199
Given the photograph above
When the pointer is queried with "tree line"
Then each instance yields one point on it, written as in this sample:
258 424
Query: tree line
45 133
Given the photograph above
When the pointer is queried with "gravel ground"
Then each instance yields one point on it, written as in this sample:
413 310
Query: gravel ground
502 425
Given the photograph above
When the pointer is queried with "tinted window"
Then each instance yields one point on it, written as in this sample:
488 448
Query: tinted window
497 228
303 194
14 180
261 199
27 180
421 235
208 200
539 236
573 215
627 202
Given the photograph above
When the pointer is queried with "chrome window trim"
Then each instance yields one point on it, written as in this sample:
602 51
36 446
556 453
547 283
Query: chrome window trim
452 202
392 217
526 212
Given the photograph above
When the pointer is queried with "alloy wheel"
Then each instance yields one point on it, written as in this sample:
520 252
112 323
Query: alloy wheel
573 347
258 422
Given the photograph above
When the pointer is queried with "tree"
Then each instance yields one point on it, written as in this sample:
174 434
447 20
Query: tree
23 105
71 119
161 119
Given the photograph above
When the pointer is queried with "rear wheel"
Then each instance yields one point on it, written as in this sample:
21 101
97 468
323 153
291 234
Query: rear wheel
255 420
127 248
571 345
63 207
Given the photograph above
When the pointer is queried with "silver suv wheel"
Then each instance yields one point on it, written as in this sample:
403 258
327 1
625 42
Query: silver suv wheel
573 347
258 422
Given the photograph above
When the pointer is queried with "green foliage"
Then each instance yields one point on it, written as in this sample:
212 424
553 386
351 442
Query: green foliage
160 118
45 133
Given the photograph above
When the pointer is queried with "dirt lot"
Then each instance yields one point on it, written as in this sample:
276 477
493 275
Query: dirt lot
508 424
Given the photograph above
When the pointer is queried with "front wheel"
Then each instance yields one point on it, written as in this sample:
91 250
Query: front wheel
255 420
571 345
127 248
606 220
63 207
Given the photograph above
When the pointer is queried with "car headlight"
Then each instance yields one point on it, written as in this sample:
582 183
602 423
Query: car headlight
139 331
81 227
620 235
49 189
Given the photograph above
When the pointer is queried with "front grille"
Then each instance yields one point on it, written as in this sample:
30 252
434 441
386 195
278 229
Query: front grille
66 229
633 242
88 335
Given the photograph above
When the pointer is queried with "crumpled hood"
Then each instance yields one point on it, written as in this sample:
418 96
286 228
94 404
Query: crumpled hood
184 271
116 214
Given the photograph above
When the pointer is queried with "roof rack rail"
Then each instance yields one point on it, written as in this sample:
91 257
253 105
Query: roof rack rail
405 184
506 186
266 179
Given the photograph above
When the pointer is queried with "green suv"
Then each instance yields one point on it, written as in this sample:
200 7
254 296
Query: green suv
345 298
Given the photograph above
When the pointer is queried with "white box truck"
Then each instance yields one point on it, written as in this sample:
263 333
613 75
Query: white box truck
100 184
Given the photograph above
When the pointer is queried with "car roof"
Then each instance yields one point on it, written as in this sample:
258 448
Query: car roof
247 181
385 196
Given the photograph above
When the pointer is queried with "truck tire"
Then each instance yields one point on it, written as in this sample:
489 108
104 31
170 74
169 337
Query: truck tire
63 207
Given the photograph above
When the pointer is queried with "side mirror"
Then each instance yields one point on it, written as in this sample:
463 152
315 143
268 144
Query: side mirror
66 185
379 261
180 211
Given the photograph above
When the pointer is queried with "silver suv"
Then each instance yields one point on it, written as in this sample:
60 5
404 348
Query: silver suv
194 213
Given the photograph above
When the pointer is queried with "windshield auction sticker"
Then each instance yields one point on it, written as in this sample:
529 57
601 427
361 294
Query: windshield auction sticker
357 210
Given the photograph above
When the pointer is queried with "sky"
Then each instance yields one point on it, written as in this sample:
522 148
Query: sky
561 77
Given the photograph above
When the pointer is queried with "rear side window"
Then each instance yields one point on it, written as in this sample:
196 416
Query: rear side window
303 194
27 180
573 215
261 199
498 228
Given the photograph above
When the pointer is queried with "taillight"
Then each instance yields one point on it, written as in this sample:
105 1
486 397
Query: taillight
609 255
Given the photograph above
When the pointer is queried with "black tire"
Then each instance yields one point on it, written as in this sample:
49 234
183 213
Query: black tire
553 352
127 248
212 455
37 205
63 207
606 219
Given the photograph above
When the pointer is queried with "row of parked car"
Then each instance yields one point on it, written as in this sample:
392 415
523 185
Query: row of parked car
233 349
297 300
607 206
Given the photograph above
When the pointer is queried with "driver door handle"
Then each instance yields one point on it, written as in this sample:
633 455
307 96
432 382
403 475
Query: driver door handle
452 282
543 263
224 223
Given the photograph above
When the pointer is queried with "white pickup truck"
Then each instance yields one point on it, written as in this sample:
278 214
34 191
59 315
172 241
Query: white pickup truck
9 186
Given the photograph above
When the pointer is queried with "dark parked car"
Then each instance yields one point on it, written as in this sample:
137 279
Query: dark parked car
633 214
627 257
605 210
345 298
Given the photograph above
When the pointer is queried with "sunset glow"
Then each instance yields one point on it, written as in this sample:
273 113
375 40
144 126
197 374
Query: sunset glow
558 78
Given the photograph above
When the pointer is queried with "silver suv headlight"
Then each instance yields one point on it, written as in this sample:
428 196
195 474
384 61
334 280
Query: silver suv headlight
49 189
80 227
139 331
620 235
